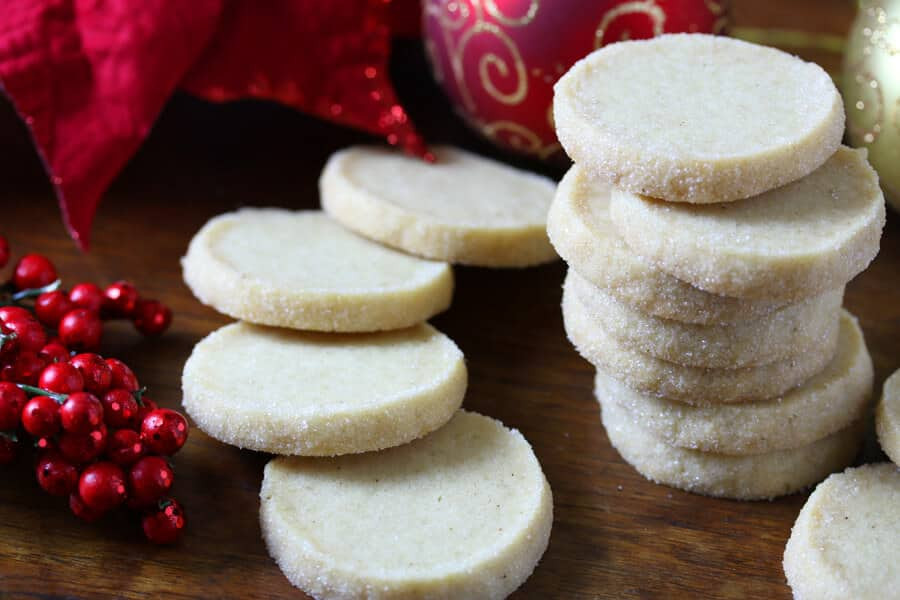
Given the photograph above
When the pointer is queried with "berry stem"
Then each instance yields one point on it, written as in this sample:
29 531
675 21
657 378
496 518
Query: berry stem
139 395
35 292
36 391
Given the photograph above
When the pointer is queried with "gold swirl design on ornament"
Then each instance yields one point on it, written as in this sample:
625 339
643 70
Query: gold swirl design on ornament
518 137
442 11
491 7
715 7
485 63
647 7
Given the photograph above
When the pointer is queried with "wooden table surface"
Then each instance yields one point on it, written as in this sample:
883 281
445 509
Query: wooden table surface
615 535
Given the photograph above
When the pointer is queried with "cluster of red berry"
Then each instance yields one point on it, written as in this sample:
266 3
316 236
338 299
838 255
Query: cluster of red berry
99 440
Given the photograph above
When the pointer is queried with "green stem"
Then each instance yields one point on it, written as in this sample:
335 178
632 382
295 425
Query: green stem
139 395
34 292
36 391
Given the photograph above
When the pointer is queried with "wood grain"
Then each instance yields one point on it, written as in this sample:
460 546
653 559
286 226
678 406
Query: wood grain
615 535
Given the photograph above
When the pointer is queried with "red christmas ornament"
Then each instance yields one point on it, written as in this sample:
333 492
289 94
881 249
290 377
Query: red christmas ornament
497 60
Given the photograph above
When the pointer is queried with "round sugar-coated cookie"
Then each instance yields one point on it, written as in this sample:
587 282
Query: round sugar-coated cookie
464 208
697 118
801 239
693 385
887 418
319 394
584 236
844 542
748 477
790 330
826 403
302 270
463 513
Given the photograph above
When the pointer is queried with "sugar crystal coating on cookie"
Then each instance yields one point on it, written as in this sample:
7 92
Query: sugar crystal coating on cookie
319 394
302 270
463 513
844 542
697 118
464 208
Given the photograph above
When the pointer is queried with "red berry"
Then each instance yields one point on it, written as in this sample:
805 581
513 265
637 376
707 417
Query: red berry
81 329
82 510
164 431
102 486
4 252
86 295
62 378
96 373
29 332
81 448
120 408
13 312
81 413
119 299
165 525
54 352
33 271
152 317
8 448
125 447
12 401
26 367
9 345
40 416
149 479
51 306
122 376
55 474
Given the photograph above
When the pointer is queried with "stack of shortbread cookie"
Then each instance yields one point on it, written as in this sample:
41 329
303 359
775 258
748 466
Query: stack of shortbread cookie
710 223
332 358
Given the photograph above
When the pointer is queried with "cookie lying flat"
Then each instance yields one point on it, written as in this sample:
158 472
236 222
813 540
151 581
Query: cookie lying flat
314 394
827 403
462 513
304 271
887 418
751 477
789 243
691 118
464 208
844 543
581 231
693 385
790 330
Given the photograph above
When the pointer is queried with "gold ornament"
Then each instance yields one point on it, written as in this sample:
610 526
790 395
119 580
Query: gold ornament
871 89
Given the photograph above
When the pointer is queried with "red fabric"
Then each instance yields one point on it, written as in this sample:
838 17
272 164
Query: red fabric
89 77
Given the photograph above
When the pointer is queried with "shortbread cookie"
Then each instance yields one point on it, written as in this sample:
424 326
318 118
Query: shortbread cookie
804 238
316 394
829 402
300 269
788 331
581 231
693 385
697 118
844 543
750 477
887 418
462 513
464 208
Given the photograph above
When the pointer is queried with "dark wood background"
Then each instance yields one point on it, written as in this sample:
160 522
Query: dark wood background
615 535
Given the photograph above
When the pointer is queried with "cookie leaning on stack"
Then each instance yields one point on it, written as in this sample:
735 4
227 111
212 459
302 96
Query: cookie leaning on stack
334 360
710 233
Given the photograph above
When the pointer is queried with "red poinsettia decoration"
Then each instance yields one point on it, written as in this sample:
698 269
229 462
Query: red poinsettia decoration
89 77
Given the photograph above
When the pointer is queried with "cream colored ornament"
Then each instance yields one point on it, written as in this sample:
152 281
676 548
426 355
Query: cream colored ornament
871 89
